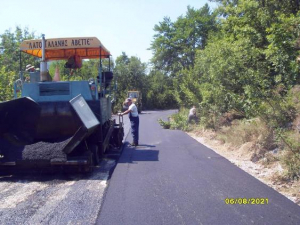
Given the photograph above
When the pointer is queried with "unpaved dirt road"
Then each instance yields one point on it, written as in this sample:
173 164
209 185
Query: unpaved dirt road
53 199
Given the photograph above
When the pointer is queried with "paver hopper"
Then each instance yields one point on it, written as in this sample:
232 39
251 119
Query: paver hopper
63 122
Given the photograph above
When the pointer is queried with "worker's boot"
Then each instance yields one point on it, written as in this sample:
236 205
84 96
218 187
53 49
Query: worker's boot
133 144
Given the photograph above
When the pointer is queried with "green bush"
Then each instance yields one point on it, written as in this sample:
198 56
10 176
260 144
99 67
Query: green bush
178 121
277 112
291 142
6 84
292 162
164 124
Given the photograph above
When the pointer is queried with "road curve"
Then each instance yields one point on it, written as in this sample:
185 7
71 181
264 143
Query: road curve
173 179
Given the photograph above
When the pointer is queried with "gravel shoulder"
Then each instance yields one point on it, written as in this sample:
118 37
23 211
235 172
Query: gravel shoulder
53 199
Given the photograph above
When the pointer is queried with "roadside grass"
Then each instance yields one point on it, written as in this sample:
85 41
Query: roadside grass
291 156
290 137
269 145
242 131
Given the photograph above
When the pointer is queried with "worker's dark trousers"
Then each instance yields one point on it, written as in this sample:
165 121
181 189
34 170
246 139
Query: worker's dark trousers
135 121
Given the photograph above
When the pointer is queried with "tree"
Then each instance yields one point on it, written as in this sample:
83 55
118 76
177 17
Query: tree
175 43
10 60
6 84
11 43
89 69
160 94
129 74
251 57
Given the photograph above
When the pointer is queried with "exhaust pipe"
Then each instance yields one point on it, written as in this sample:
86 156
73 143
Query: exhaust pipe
43 65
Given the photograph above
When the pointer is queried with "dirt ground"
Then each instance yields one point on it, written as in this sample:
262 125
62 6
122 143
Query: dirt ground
267 172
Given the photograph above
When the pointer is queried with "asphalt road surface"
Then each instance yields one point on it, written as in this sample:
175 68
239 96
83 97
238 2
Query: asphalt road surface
172 179
169 179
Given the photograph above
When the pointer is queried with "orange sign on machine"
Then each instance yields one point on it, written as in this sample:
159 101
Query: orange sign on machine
63 48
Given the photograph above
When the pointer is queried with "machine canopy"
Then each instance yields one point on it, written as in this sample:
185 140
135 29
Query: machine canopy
63 48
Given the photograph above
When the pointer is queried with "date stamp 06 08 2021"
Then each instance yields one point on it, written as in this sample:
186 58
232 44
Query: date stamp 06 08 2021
246 201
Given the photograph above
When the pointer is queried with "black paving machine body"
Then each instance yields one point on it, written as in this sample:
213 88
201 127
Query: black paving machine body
59 123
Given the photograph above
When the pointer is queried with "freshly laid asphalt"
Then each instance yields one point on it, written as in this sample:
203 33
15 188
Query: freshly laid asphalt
172 179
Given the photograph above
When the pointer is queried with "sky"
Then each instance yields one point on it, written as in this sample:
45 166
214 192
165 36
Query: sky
120 25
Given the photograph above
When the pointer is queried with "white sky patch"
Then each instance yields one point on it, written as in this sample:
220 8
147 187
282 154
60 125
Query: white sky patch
122 26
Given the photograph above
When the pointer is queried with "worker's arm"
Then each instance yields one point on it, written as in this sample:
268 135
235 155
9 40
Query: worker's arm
125 112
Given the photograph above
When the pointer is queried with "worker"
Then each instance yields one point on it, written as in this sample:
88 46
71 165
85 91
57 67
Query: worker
192 114
30 68
134 120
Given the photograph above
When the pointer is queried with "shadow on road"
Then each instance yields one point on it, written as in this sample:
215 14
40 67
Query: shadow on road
132 154
21 175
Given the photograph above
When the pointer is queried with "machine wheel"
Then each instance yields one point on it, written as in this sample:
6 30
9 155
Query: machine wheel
95 151
120 137
117 137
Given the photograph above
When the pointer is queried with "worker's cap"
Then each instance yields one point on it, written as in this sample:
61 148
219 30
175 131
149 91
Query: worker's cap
29 66
128 100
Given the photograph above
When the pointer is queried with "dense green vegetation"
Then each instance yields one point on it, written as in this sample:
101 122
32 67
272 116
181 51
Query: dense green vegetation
238 61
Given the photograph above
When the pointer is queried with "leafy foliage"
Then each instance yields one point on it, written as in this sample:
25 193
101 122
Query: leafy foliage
10 60
160 94
247 63
11 42
129 74
164 124
89 69
6 84
175 43
177 121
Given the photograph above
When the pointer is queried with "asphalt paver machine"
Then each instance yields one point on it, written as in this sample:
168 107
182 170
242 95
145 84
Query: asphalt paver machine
59 123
